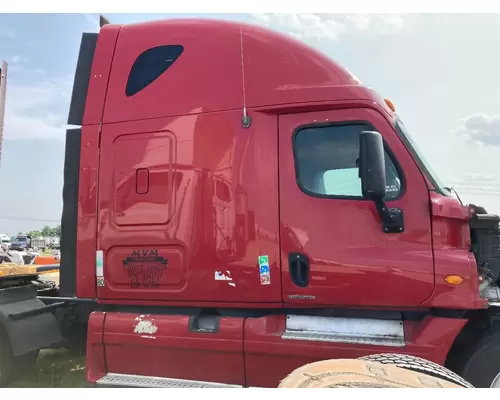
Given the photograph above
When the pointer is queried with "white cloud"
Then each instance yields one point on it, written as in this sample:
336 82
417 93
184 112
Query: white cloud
17 59
481 128
37 111
477 183
331 26
481 177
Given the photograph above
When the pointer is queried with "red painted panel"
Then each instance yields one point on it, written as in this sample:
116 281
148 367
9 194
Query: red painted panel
452 256
211 207
352 261
209 73
280 69
432 337
268 358
99 78
95 364
142 177
170 350
87 213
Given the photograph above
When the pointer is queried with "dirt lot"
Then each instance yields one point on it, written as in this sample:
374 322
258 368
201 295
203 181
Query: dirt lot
55 369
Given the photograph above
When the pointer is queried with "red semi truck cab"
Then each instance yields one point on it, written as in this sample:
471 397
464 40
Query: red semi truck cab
238 205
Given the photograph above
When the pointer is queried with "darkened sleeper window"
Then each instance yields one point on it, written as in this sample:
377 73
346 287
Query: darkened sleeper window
150 65
327 161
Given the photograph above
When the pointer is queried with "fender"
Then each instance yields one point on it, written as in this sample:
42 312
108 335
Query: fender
33 332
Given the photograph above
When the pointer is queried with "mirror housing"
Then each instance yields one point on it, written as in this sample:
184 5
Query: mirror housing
373 180
372 165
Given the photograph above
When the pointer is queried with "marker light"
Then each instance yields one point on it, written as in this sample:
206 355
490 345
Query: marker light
454 280
390 105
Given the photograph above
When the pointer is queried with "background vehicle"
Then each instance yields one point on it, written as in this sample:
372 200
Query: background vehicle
5 241
21 243
239 203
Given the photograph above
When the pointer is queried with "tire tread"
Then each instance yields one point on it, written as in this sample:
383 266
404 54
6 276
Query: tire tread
418 364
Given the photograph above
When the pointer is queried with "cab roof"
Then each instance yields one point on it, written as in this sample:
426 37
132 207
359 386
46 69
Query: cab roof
213 65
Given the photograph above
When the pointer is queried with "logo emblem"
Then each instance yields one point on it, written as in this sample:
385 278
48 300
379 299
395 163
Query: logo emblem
145 268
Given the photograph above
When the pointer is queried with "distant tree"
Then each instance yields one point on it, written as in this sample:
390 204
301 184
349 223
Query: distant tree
46 231
56 231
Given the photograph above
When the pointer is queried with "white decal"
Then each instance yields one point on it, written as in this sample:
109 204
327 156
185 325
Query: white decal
99 263
99 268
223 276
145 326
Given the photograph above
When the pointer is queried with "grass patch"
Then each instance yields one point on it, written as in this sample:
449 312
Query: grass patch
55 369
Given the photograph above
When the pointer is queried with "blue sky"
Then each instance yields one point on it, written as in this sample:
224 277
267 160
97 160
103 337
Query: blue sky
441 71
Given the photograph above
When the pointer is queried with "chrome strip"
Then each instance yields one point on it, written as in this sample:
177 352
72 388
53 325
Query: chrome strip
345 330
140 381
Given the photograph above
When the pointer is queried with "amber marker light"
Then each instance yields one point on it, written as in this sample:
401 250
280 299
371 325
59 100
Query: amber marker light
390 105
454 280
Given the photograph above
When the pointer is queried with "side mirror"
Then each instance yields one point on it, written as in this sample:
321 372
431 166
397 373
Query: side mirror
373 183
372 165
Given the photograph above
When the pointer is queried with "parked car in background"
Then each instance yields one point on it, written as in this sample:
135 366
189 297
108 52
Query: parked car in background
5 241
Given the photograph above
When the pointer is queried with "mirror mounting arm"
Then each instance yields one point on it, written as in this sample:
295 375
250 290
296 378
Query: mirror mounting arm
392 218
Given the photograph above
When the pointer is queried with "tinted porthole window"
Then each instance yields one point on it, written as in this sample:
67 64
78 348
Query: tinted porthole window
150 65
327 162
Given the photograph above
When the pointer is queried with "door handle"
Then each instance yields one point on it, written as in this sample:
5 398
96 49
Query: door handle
299 269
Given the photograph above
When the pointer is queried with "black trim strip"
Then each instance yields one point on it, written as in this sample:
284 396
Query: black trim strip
36 311
414 315
69 219
82 78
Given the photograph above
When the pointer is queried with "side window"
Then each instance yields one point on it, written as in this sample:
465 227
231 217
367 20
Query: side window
327 161
150 65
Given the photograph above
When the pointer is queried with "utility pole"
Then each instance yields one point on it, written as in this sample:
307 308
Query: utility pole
3 97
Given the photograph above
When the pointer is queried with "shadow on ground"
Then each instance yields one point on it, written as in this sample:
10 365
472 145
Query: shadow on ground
55 369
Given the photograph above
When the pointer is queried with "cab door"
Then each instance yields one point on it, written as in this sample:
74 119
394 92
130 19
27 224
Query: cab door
333 247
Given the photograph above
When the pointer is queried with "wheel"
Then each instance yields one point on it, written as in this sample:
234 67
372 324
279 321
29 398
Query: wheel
349 373
479 363
418 364
13 368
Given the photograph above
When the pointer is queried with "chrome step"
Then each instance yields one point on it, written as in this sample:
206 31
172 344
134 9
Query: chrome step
140 381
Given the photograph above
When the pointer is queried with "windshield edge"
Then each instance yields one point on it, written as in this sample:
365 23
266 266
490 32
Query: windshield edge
397 123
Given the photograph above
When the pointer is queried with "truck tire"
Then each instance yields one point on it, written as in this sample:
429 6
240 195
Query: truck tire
479 363
348 373
13 368
418 364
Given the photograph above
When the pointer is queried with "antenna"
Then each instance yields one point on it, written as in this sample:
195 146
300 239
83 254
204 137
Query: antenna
246 120
3 97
